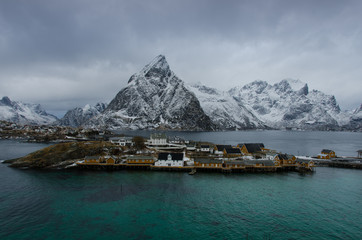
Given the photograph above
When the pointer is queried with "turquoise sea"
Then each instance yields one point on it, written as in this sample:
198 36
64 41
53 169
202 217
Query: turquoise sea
124 204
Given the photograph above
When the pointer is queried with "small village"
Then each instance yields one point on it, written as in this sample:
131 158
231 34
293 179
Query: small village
49 133
175 154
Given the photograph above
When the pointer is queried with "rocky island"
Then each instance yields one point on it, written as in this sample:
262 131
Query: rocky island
161 153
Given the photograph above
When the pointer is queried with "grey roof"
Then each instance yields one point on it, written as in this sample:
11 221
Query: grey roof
205 146
120 138
264 162
174 156
326 151
303 160
283 156
207 160
222 147
253 147
234 162
233 150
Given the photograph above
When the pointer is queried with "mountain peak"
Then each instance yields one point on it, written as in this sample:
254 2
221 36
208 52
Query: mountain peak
24 113
6 101
158 63
292 85
158 66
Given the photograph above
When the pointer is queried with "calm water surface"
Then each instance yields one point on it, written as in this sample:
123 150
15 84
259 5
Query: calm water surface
163 205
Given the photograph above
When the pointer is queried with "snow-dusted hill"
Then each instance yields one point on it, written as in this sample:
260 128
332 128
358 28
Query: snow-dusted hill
290 104
24 113
355 120
78 116
155 98
224 110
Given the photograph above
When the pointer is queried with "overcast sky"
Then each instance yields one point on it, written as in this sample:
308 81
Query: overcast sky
64 54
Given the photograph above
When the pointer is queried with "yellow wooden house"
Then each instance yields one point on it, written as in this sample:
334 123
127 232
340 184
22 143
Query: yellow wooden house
285 160
140 159
110 160
326 154
208 162
251 148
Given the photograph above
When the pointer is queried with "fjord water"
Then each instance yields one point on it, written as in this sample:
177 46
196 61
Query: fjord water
308 143
171 205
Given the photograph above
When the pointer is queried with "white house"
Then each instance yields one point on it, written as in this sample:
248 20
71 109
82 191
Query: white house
167 159
158 139
122 141
205 148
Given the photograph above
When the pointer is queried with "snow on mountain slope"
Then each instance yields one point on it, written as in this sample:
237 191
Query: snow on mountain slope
24 113
289 104
78 116
355 120
155 98
224 110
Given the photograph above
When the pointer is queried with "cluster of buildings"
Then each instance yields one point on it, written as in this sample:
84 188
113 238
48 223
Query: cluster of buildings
176 154
47 133
41 133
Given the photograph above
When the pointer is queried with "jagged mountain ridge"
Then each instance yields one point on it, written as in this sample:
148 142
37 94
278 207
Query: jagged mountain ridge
24 113
355 120
289 104
224 110
78 116
155 98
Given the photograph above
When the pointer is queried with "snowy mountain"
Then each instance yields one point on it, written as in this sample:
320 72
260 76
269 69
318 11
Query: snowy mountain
78 116
155 98
355 120
224 110
289 104
24 113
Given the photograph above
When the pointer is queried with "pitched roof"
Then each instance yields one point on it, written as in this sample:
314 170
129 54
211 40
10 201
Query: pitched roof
234 162
207 160
304 160
264 162
205 146
174 156
222 147
283 156
233 150
326 151
253 147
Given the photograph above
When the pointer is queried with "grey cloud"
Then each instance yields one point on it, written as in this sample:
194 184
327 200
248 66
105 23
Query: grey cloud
54 52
